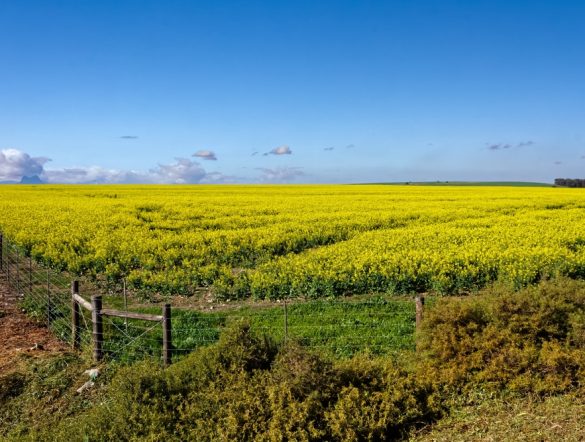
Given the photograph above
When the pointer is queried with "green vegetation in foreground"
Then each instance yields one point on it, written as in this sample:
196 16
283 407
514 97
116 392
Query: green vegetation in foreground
498 351
557 418
379 325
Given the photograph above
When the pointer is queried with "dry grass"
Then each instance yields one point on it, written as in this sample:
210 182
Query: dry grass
559 418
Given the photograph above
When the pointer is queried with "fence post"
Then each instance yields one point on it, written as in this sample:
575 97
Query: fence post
30 277
98 328
75 313
420 304
49 306
17 273
167 335
8 262
125 303
2 266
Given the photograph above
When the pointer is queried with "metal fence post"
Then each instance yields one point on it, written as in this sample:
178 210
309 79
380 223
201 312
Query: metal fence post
167 335
8 262
17 273
1 251
125 302
49 306
98 328
30 276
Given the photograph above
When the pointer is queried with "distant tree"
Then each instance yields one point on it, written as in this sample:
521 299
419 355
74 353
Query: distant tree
570 182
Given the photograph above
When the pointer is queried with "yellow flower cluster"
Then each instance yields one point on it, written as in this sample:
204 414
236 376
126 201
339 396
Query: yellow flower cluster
275 241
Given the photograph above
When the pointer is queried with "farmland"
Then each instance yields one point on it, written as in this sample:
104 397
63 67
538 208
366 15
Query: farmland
328 366
271 242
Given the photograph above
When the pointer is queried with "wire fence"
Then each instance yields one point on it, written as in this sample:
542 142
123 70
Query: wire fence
379 324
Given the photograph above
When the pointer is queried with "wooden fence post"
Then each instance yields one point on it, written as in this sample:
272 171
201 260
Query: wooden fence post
420 304
167 335
75 312
98 328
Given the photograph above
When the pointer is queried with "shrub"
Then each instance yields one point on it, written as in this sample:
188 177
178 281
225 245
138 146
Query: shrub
527 342
246 388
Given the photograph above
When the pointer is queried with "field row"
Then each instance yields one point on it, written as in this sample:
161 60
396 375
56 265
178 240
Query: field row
315 241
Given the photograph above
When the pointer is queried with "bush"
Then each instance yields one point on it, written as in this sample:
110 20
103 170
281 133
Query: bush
527 342
244 388
11 385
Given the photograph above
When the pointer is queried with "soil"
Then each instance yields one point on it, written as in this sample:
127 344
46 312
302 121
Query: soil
20 335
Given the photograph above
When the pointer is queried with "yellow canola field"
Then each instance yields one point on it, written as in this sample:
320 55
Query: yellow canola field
277 241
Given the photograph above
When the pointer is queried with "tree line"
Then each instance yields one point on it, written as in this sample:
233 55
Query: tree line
570 182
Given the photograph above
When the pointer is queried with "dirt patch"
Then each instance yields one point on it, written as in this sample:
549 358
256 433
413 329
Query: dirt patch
21 335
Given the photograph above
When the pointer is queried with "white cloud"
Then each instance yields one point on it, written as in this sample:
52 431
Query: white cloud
279 174
94 174
205 155
15 164
182 171
219 178
280 150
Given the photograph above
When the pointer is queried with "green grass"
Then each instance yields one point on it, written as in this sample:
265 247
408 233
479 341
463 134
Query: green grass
379 325
343 328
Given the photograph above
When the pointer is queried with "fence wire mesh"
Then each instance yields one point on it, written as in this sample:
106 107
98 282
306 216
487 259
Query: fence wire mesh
341 327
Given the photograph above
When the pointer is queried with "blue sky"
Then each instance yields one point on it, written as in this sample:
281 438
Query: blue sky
338 91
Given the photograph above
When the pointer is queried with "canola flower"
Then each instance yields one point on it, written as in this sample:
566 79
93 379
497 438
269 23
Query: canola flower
315 241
